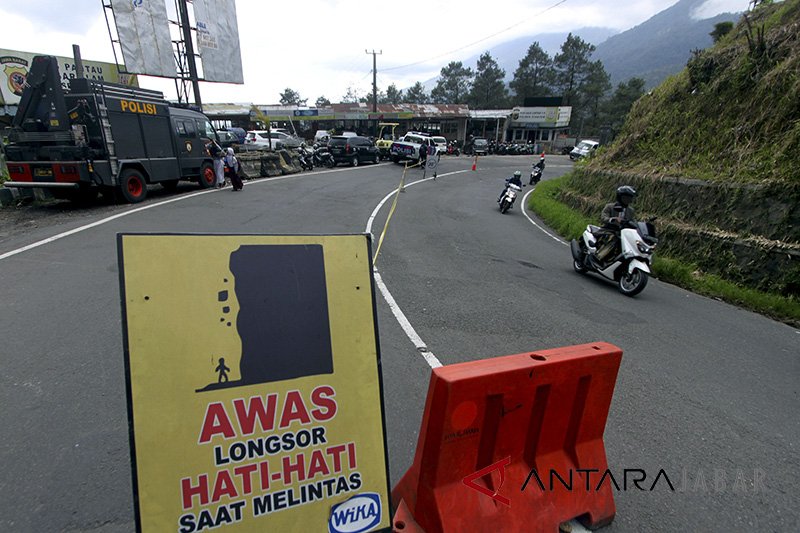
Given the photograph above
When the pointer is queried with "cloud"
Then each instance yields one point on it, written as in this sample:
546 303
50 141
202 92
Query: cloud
317 47
712 8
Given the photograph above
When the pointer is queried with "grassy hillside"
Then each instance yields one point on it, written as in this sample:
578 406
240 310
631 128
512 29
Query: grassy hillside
732 116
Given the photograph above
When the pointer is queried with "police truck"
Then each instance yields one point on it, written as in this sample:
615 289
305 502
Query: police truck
103 137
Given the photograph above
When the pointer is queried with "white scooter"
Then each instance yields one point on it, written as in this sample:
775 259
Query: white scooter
631 268
536 175
509 196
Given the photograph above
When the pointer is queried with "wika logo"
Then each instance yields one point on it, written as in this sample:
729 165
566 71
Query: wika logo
501 465
360 513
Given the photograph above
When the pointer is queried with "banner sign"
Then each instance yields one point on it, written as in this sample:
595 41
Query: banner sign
218 40
143 29
253 382
14 67
553 117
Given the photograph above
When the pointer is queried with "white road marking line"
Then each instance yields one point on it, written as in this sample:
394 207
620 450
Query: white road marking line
524 203
401 318
140 209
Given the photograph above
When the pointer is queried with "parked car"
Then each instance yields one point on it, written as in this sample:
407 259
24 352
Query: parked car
321 136
441 144
280 140
584 149
353 150
227 138
239 132
478 146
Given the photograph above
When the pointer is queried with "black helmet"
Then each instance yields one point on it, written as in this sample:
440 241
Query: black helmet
626 194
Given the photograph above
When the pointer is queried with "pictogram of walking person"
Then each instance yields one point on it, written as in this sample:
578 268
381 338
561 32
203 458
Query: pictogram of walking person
223 371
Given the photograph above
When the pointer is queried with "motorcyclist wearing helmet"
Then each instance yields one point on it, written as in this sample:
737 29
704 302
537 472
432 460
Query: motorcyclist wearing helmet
614 215
540 166
516 179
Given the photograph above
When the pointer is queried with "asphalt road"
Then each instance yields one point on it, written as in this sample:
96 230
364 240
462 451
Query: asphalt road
707 392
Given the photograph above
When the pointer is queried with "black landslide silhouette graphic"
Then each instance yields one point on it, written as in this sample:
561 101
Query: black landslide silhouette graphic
283 313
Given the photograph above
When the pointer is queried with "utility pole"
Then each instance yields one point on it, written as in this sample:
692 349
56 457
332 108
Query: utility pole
187 41
374 88
374 79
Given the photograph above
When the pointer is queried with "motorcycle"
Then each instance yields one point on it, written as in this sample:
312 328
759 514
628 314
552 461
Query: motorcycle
630 268
509 196
452 148
322 157
305 158
536 175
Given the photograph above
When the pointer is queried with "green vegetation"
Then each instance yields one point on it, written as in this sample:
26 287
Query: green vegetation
3 168
570 224
731 116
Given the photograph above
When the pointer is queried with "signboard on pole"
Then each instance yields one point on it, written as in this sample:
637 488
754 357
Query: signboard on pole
253 382
431 164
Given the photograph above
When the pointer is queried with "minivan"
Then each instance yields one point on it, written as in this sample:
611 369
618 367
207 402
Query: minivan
584 149
353 150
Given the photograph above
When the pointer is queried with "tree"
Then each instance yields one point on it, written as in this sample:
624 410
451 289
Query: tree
367 98
322 102
292 97
416 94
534 75
721 29
616 108
488 89
454 84
393 96
592 91
352 96
572 66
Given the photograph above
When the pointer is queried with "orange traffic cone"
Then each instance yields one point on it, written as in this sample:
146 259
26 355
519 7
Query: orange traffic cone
475 163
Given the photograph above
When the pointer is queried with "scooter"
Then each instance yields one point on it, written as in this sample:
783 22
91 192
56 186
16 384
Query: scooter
536 175
630 268
322 157
509 196
305 158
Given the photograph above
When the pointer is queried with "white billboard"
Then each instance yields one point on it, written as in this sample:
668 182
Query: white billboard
144 37
218 40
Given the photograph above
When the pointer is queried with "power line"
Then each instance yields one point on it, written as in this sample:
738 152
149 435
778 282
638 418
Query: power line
478 41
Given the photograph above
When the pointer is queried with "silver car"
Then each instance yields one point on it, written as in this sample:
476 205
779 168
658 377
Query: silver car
279 140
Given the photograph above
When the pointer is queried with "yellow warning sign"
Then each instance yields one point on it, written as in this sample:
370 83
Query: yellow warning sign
254 392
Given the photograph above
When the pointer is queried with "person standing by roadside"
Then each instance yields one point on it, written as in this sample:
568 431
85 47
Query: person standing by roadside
216 153
232 166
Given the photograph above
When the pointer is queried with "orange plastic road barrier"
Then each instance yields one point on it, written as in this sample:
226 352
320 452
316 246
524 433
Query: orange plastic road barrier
494 433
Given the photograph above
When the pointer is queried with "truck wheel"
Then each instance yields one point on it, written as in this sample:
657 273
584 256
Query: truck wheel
207 177
132 186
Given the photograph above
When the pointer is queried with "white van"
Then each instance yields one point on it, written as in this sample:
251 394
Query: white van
322 136
585 148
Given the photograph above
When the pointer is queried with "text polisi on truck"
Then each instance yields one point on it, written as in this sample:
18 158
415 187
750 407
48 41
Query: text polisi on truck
103 137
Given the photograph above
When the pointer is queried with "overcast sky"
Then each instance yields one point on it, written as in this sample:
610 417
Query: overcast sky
317 47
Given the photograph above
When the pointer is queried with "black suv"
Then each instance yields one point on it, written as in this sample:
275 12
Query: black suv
353 150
